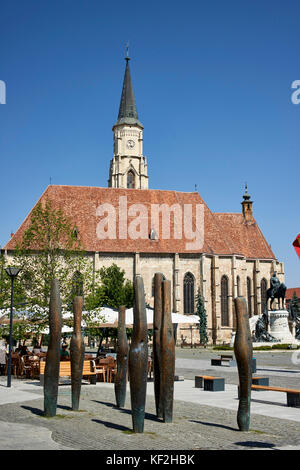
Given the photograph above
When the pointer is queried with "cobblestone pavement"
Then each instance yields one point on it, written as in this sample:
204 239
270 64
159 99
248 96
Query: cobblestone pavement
100 425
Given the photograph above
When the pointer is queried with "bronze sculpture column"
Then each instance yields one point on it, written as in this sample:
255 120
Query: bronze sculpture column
157 319
122 359
138 357
167 355
51 376
243 354
76 353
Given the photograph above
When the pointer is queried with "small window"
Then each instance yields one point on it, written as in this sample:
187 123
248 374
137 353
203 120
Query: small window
153 234
75 233
130 179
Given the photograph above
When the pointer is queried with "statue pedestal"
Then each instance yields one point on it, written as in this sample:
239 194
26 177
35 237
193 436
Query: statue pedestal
279 326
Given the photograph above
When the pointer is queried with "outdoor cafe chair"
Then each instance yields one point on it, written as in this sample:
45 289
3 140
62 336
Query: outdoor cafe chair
112 367
100 369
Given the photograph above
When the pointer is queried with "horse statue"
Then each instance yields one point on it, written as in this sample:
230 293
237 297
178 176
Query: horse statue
279 294
276 291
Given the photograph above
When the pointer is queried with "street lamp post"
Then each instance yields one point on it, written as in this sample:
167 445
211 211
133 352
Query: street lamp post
12 273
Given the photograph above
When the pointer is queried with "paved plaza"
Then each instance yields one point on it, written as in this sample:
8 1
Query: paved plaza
202 420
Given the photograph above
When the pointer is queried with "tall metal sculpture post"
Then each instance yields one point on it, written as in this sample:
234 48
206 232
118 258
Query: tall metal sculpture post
167 355
158 279
122 360
51 376
76 353
138 357
243 354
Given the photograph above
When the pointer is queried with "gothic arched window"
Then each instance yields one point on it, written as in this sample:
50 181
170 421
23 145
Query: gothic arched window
238 286
263 293
130 179
224 301
188 293
249 296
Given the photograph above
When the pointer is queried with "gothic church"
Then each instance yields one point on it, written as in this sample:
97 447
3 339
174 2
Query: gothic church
234 257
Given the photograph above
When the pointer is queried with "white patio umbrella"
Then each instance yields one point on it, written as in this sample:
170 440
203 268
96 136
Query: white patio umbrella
111 318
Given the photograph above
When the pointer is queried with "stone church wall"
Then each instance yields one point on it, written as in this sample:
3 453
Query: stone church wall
207 271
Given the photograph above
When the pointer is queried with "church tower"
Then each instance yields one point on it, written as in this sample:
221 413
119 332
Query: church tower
247 208
128 167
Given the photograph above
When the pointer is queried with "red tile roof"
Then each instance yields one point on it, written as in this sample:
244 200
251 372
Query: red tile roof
244 238
223 233
290 291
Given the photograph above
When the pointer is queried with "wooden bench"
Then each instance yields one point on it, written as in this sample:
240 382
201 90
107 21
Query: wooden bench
88 370
223 358
210 383
293 396
260 381
231 362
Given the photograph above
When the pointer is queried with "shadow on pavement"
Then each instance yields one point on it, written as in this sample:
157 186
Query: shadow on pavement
111 425
35 411
265 402
290 371
149 416
263 445
213 425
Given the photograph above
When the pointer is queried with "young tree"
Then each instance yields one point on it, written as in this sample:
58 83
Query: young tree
294 306
114 289
201 312
5 287
50 249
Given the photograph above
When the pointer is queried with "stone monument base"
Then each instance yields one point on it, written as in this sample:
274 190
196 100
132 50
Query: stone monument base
279 326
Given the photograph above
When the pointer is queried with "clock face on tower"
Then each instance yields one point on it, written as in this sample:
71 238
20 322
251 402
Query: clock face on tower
130 144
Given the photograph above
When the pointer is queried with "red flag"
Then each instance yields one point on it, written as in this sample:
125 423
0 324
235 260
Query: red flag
296 245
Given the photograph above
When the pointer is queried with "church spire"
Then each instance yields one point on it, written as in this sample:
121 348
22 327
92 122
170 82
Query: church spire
128 167
247 206
128 111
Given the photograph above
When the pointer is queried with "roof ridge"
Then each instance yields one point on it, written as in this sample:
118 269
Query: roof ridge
123 189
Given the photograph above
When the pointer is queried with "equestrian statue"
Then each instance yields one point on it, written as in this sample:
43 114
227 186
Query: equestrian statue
276 291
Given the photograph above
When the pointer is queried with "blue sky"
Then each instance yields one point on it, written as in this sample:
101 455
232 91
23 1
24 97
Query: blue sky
212 82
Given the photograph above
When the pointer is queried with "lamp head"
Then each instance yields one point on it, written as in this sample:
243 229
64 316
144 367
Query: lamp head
12 271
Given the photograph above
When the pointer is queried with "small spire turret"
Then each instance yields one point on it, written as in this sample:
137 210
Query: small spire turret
247 208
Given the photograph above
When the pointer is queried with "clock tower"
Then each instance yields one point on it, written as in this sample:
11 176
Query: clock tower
128 167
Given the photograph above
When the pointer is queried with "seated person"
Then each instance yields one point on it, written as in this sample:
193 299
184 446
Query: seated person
24 351
64 353
37 349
